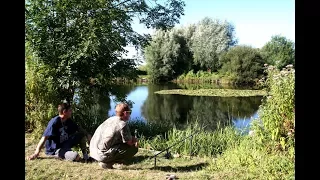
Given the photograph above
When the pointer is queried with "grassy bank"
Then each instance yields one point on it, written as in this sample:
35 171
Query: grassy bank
252 160
269 153
222 154
214 92
139 167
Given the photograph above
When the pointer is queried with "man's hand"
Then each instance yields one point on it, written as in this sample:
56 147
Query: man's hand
135 141
136 144
39 146
33 156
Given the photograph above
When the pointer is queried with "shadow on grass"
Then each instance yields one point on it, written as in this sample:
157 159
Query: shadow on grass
136 159
194 167
48 157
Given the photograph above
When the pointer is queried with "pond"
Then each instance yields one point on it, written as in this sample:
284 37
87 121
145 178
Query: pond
179 110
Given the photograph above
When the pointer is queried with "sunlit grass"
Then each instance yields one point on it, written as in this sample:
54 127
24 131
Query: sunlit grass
251 160
193 141
141 166
220 154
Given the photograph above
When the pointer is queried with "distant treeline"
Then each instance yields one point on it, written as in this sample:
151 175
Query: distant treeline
208 50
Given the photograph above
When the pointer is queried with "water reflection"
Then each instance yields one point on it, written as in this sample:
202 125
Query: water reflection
179 110
137 96
91 108
243 124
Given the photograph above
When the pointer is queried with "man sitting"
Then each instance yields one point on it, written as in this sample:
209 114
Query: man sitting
61 135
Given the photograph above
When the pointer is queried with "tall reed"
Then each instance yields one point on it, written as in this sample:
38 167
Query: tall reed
204 143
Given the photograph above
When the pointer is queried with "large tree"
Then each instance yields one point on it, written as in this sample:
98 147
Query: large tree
167 56
243 63
85 40
209 40
279 51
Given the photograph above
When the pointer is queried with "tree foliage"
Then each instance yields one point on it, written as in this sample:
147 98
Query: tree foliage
279 51
209 40
243 63
41 94
167 55
194 47
85 40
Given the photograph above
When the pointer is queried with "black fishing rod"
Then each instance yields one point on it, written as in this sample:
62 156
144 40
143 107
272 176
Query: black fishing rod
167 149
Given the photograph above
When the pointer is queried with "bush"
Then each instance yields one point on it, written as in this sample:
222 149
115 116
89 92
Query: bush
277 116
242 63
269 152
41 96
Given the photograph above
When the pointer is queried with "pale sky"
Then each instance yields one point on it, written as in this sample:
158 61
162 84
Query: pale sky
255 21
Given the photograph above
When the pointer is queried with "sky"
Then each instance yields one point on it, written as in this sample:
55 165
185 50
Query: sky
255 21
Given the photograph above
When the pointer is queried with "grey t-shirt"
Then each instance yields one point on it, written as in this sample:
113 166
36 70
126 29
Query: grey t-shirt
110 133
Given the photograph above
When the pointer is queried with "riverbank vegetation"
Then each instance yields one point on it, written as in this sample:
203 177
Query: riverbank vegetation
75 52
226 153
267 153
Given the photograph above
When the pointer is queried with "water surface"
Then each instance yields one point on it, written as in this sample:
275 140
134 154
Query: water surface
178 110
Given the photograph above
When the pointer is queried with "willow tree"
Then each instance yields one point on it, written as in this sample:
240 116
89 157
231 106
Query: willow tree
83 40
209 40
167 55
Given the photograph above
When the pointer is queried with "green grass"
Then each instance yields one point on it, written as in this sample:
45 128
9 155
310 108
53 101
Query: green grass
223 154
250 160
139 167
204 144
148 130
214 92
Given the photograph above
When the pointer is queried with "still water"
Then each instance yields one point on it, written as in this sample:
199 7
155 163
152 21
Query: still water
179 110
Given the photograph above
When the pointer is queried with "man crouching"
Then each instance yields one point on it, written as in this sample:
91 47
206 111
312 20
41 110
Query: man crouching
112 141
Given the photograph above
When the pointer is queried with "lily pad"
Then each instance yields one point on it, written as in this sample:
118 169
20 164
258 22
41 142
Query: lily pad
215 92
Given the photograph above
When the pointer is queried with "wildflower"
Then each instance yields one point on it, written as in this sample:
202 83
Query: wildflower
251 133
289 66
270 68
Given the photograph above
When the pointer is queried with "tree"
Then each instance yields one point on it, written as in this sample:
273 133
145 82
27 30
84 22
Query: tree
279 51
85 40
188 33
243 63
40 94
209 40
167 55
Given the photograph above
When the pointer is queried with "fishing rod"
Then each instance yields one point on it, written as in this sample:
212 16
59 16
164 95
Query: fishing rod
167 149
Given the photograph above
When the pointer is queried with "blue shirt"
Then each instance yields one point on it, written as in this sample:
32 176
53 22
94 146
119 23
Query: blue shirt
58 133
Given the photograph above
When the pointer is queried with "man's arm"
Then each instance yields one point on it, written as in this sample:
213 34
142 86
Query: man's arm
39 147
127 137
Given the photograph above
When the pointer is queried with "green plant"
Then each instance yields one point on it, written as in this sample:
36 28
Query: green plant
277 116
252 160
205 144
41 97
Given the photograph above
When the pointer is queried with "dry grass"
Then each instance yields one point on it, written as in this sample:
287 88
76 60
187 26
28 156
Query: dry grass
140 167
